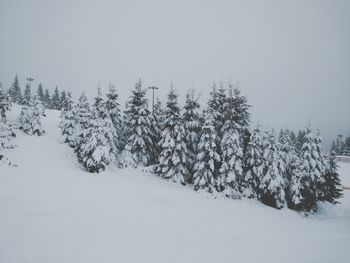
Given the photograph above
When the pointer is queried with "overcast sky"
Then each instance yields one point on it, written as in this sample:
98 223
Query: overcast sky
292 58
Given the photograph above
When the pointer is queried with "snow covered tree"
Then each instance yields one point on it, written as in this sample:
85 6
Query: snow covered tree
68 123
332 188
321 166
231 169
272 184
27 97
92 149
30 118
55 100
47 100
173 157
102 115
207 157
15 91
97 142
241 107
192 126
82 113
40 92
4 103
113 108
139 144
254 165
157 121
312 172
63 100
6 133
216 105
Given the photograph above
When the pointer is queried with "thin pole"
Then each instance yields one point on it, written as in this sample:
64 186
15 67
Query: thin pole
153 88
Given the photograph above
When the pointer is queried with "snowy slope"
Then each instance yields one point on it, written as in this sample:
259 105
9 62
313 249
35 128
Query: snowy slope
53 211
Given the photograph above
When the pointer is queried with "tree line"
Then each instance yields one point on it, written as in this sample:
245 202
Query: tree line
212 148
55 101
341 146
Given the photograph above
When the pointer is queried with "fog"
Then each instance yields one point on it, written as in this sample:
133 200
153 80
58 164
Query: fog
292 58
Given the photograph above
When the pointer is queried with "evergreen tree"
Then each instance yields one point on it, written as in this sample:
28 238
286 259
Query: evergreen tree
216 105
6 133
321 166
47 100
173 157
192 126
55 100
231 169
241 108
332 188
300 140
63 100
157 121
40 92
92 149
102 114
207 157
30 118
82 113
4 103
36 117
27 97
254 165
15 91
311 175
68 123
272 184
113 108
139 145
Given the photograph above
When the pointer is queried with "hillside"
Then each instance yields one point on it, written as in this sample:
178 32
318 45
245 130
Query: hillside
51 210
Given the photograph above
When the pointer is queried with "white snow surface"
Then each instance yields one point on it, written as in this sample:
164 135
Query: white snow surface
51 210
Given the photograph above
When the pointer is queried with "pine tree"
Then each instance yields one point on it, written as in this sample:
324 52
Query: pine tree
272 184
15 91
30 118
40 92
82 113
36 117
332 188
68 123
139 143
92 149
300 140
173 157
27 97
113 108
63 100
47 100
310 176
241 108
207 157
254 165
216 105
6 133
157 121
97 142
321 166
192 126
4 103
102 115
55 100
231 169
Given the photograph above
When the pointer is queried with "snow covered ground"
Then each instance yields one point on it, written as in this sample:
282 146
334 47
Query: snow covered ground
53 211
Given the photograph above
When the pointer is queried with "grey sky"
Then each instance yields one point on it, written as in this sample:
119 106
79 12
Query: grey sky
292 58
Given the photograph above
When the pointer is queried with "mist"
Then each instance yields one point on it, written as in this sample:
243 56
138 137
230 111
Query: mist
291 58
